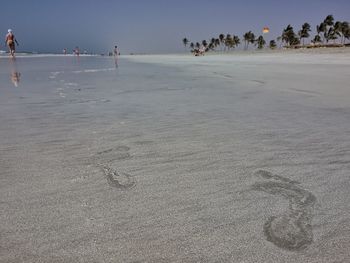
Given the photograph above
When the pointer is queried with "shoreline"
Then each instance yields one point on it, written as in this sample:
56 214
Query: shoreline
303 50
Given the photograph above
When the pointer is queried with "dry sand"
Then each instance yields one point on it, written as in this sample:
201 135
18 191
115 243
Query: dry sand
236 158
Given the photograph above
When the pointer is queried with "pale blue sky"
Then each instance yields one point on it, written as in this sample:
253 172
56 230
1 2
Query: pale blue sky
153 26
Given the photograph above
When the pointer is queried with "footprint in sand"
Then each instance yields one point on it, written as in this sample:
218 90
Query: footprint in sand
117 179
291 230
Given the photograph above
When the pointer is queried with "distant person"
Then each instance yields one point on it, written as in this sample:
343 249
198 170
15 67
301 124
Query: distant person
10 42
115 54
77 51
65 51
202 50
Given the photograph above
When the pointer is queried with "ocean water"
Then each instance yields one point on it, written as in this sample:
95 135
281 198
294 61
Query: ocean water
175 158
89 92
85 89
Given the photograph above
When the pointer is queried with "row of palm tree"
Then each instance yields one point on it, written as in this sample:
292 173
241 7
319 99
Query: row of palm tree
224 42
227 42
326 31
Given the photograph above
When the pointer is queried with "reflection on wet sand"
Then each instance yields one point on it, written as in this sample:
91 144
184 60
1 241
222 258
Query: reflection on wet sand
15 75
116 61
15 78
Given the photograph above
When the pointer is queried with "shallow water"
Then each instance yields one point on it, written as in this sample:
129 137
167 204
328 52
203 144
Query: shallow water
173 159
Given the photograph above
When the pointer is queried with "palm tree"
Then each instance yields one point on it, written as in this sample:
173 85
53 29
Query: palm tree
345 31
228 41
329 20
273 44
321 29
231 41
318 29
246 40
317 39
217 42
304 32
192 45
329 30
236 40
288 36
260 41
211 46
337 30
212 43
185 41
204 44
279 39
249 37
252 38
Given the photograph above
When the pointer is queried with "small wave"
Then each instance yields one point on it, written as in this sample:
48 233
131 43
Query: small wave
71 84
54 74
24 55
93 70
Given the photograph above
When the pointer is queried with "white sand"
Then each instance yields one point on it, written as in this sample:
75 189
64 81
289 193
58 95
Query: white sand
236 158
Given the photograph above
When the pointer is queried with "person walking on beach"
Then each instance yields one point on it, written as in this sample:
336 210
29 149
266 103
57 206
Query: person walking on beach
77 51
10 42
115 54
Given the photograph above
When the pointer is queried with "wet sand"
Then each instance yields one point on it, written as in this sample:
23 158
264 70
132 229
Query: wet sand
236 158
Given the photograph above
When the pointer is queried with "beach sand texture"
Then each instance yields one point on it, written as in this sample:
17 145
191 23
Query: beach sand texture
174 158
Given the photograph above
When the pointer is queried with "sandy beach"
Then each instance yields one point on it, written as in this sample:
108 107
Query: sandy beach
243 157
